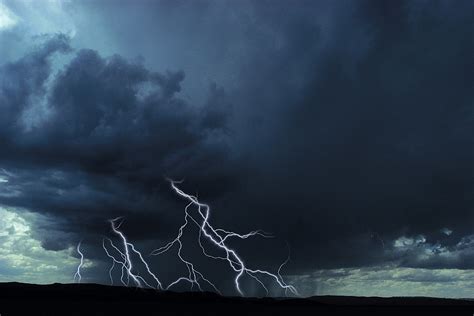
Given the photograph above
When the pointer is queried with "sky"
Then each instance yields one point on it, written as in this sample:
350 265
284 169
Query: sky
343 128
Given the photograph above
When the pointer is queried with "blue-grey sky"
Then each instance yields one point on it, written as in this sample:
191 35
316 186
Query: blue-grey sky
342 127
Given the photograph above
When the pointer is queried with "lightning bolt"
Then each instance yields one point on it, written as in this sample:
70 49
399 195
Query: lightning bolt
193 274
114 261
218 238
121 254
77 275
126 262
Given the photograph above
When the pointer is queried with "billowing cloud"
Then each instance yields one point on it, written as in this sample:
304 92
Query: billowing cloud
344 128
103 133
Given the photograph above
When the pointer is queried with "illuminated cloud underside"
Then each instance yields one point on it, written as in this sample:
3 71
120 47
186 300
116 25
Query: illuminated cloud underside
23 259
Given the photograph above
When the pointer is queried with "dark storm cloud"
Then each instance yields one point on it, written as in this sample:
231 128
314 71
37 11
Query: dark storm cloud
25 79
376 136
112 130
345 127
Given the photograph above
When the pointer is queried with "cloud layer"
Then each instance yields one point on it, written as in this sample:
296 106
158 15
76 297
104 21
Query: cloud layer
344 128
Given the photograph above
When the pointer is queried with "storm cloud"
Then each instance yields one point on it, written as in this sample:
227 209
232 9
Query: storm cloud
102 134
344 128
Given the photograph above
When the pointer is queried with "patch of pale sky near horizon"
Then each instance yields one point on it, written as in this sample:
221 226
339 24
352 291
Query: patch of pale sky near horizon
22 259
387 281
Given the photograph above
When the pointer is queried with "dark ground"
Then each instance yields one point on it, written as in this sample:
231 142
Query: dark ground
92 299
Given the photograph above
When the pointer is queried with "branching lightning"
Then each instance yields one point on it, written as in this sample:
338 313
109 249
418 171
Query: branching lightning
218 237
77 275
193 274
195 213
126 262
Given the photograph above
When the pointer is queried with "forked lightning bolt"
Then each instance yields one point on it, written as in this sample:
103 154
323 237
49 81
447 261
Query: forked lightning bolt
193 274
77 275
218 237
126 262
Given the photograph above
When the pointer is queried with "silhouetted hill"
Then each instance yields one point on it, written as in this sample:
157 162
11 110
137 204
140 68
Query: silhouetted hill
93 299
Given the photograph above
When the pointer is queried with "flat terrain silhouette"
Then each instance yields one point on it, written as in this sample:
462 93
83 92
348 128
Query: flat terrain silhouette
94 299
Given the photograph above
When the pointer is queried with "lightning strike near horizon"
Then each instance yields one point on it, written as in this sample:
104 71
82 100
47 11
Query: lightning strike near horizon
126 262
77 275
121 256
114 261
218 237
193 274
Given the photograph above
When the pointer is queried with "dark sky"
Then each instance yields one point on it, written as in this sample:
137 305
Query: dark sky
344 128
